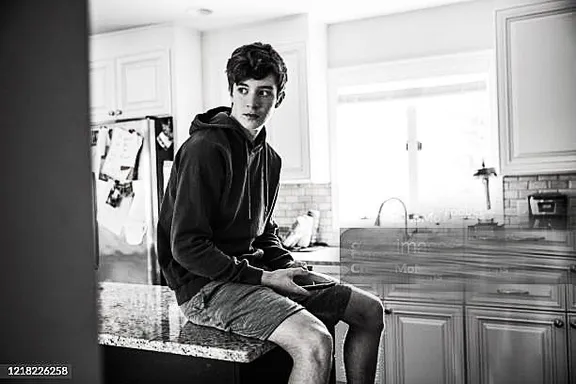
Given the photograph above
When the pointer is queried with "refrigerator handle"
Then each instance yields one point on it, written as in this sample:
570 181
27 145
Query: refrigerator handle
95 224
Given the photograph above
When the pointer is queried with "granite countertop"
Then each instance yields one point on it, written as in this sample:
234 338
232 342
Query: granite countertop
147 317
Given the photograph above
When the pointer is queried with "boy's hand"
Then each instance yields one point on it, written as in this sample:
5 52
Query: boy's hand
297 264
282 280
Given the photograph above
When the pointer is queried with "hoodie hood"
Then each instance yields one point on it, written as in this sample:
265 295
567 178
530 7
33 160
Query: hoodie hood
219 118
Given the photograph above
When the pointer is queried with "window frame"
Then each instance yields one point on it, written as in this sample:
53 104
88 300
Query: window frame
402 74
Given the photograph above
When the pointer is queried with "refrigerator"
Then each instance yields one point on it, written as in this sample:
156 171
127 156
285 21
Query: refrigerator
131 162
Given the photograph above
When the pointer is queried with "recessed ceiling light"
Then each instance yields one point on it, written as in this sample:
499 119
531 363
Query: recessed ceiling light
205 11
194 11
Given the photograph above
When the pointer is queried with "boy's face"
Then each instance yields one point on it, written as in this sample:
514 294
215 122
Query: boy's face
253 101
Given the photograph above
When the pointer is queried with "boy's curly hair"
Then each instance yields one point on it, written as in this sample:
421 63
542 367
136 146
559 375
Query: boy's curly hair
256 61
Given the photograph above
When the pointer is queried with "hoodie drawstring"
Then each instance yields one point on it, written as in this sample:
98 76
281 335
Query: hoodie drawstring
249 182
265 178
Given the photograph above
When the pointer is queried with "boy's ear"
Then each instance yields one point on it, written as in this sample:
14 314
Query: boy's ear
280 98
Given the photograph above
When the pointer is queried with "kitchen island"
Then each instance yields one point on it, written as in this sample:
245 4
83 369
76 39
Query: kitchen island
145 339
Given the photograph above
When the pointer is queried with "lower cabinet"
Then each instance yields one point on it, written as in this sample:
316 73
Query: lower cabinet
424 344
572 343
512 346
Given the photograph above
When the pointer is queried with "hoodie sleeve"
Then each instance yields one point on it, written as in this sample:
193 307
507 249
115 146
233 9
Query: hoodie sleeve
275 255
201 176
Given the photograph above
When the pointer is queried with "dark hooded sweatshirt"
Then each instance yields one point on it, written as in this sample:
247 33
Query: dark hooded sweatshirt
216 217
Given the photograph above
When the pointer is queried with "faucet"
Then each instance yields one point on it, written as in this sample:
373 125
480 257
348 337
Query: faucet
377 222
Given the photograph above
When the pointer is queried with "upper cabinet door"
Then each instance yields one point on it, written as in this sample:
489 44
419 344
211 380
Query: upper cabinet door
288 130
102 90
536 60
143 85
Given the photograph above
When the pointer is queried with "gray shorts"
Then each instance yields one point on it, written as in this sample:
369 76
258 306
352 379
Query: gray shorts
256 311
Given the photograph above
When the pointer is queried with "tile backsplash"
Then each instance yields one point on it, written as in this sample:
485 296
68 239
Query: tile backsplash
518 188
297 199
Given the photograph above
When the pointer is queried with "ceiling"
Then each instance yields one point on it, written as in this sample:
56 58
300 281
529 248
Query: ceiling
113 15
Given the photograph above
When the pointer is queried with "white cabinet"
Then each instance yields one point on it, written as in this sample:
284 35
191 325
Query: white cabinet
130 86
298 131
424 343
288 131
572 343
512 346
536 57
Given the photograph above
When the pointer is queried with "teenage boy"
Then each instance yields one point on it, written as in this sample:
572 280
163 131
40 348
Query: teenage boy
218 246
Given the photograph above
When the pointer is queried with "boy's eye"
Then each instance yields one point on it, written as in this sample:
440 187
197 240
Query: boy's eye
243 91
265 93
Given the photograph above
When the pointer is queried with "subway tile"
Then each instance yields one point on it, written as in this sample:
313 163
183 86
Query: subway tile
538 185
524 194
510 194
314 205
299 192
518 185
558 184
291 199
322 199
547 177
279 213
527 178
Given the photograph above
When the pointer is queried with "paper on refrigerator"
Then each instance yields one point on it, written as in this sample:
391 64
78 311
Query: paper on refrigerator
120 161
135 227
98 145
111 218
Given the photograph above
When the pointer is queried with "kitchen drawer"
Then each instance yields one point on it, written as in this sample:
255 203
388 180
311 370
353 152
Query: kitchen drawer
541 296
448 293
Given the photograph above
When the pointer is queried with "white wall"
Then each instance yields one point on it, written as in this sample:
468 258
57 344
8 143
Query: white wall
187 80
456 28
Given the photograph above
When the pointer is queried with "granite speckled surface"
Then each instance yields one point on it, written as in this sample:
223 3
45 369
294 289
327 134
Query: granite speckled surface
146 317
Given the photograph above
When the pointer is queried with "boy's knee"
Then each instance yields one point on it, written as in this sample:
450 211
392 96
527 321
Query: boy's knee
316 343
373 315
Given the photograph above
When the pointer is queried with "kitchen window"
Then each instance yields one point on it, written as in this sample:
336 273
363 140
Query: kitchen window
419 139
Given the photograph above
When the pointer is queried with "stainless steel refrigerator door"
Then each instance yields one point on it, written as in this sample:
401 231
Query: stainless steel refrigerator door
127 232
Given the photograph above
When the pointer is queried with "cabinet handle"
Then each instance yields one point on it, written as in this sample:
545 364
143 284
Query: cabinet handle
118 112
387 311
111 113
558 323
573 324
512 292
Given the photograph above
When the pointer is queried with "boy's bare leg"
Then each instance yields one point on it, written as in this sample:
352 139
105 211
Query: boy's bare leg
309 344
364 315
